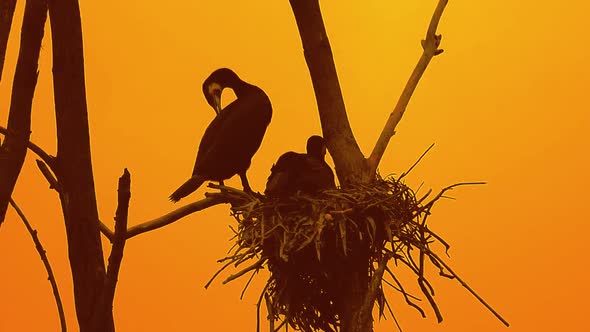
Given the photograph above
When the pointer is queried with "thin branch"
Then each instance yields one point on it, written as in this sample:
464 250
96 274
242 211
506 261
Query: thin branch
466 286
374 286
405 294
45 260
429 205
49 176
174 215
416 163
430 49
247 284
106 231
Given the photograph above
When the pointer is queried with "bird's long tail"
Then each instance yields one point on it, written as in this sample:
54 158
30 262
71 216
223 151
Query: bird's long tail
187 188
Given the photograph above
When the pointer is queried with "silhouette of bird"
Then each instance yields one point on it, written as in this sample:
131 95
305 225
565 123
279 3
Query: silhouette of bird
234 135
307 173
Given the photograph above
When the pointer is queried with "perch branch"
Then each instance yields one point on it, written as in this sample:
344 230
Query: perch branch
14 146
430 49
174 215
43 255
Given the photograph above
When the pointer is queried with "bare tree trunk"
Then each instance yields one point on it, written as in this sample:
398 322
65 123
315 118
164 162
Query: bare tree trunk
14 148
6 14
350 163
74 165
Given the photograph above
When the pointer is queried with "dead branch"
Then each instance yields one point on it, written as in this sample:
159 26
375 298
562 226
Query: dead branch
174 215
416 163
466 286
45 260
6 14
120 237
430 49
14 146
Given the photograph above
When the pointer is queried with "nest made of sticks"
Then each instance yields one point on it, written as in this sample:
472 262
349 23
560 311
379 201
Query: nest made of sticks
311 243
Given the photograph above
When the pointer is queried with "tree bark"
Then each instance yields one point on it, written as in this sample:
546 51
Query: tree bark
14 148
6 14
74 165
350 163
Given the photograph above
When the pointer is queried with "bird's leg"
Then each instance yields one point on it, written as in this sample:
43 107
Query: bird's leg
221 183
245 183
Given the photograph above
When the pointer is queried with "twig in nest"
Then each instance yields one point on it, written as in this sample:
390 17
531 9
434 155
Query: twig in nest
306 252
255 266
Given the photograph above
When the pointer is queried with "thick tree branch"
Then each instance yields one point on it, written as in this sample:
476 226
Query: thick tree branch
174 215
14 147
430 49
45 260
74 164
348 158
6 15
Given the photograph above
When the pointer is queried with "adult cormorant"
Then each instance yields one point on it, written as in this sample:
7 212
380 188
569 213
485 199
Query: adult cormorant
233 136
294 172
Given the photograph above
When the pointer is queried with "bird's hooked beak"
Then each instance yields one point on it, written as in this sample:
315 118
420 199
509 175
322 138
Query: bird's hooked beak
214 91
217 100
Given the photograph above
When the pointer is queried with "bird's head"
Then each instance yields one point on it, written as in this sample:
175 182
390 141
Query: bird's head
316 147
214 84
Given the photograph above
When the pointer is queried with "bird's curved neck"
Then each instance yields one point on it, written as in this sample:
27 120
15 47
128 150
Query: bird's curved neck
240 87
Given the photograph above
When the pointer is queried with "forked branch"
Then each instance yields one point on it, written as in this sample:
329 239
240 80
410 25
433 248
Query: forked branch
430 49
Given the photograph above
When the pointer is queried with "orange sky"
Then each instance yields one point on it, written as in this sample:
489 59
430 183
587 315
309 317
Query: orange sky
506 103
